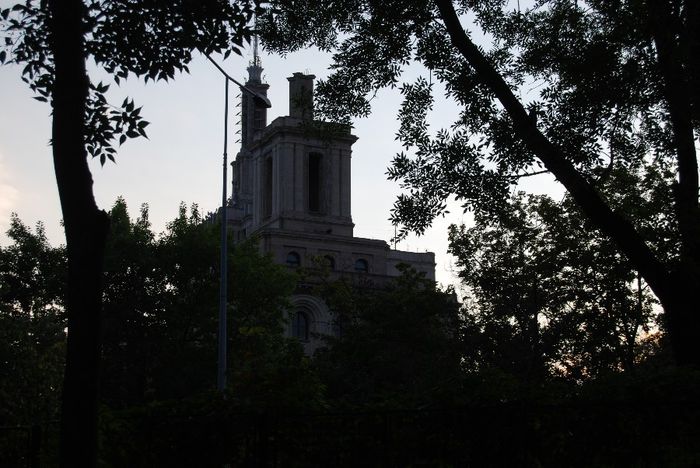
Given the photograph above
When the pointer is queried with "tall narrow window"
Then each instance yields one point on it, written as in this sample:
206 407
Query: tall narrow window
267 188
314 182
259 118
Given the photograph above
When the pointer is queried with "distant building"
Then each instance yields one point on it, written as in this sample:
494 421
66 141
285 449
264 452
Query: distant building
291 189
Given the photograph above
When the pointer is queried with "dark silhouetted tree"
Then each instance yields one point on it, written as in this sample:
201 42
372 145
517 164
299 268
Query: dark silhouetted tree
396 347
570 88
553 296
160 327
32 323
52 40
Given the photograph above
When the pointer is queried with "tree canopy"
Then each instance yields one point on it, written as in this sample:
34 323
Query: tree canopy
396 347
53 40
404 357
159 329
575 89
160 301
551 296
32 326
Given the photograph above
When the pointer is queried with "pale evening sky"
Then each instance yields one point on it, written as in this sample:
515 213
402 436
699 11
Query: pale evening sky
181 160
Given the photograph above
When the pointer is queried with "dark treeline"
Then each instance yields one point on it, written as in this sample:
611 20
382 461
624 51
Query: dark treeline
556 336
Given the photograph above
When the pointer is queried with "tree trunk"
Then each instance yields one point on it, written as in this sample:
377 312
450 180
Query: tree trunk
683 321
674 51
86 229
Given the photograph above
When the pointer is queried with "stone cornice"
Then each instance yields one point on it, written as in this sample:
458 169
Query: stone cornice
317 130
322 238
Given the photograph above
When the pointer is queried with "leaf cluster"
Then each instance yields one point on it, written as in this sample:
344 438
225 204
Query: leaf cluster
396 347
32 323
552 295
152 39
587 72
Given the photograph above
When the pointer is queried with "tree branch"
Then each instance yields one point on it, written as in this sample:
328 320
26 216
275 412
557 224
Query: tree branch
585 195
528 174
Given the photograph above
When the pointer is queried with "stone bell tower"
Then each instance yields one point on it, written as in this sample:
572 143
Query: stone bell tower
293 174
292 191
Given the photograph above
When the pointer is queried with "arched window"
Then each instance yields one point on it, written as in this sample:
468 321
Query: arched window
293 259
361 265
329 261
300 326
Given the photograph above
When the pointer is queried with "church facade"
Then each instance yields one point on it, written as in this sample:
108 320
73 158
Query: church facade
292 191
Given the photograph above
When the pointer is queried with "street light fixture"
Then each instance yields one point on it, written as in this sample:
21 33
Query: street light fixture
261 101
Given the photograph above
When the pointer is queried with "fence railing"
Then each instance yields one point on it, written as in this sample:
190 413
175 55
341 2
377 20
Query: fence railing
633 434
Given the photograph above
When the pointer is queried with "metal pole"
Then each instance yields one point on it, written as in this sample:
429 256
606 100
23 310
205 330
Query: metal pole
262 101
221 377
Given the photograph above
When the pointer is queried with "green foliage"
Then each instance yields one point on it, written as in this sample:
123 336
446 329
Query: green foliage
268 370
552 295
160 320
160 330
587 72
133 306
396 347
31 326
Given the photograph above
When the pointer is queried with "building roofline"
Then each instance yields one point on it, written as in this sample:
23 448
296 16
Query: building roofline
316 129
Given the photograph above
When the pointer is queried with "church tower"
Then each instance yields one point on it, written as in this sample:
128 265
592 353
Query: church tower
292 190
293 174
253 121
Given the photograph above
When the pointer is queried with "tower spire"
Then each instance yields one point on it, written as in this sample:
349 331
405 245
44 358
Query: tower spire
255 67
253 117
256 57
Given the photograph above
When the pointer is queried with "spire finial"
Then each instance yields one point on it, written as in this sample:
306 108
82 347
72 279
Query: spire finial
256 57
255 68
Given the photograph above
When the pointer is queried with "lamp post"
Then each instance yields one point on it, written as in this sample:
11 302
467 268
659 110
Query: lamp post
261 101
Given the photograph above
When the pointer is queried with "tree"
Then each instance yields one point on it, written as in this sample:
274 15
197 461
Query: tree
605 84
513 272
160 317
553 296
53 39
160 325
397 347
133 307
32 326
